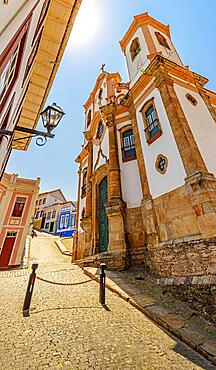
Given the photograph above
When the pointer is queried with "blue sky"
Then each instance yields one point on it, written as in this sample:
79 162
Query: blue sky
99 27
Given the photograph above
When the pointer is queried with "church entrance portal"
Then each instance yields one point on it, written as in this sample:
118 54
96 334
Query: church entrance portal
103 220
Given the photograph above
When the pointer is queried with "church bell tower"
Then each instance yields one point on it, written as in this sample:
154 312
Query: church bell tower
145 39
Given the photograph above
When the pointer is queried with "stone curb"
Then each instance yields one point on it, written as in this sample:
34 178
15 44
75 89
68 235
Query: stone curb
200 348
62 248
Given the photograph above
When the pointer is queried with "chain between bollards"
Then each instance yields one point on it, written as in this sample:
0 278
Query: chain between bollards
29 290
102 283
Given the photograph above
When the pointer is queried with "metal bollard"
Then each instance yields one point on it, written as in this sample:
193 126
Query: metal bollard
29 290
102 283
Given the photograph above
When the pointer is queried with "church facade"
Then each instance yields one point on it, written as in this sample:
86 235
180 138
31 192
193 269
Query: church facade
147 186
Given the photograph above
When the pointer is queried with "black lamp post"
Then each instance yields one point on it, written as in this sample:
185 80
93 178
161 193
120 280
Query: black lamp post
51 117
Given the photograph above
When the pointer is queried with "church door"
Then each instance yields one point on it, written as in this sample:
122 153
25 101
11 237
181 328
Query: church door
103 220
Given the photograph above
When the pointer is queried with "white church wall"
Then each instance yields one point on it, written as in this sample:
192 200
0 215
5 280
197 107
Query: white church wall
202 125
103 87
130 180
169 54
105 151
174 177
141 61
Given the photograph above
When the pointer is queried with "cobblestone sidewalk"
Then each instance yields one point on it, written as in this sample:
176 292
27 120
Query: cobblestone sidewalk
143 293
69 329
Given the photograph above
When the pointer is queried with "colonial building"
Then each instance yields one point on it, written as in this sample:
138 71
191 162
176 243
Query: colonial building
33 37
147 187
66 223
17 203
47 207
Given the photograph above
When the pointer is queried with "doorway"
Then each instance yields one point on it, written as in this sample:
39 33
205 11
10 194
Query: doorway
103 219
7 249
51 227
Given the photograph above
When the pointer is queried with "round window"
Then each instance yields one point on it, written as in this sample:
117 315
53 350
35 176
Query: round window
161 163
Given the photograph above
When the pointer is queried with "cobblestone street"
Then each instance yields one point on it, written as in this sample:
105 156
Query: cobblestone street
68 329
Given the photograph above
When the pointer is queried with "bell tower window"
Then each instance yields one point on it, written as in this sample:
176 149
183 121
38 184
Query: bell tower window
135 48
161 39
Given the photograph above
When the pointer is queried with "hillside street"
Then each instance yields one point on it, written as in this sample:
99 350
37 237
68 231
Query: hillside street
69 329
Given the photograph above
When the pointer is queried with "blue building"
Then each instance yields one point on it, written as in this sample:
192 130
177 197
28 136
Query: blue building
66 223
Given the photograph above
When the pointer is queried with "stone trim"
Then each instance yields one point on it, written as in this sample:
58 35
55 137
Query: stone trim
188 280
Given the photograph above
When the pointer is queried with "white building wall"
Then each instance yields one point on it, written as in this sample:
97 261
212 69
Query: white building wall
130 179
174 177
20 11
141 61
202 126
169 54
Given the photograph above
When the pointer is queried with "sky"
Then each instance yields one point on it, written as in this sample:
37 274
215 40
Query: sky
94 40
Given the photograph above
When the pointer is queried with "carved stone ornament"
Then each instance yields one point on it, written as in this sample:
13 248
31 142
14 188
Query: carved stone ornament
161 163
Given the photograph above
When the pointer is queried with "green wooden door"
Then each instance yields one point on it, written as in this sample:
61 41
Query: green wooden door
103 220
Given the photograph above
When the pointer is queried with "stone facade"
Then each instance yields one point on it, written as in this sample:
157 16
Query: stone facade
146 137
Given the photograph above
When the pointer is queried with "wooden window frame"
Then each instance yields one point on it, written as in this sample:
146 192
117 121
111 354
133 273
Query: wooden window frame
17 41
5 120
32 57
15 203
122 131
143 111
43 14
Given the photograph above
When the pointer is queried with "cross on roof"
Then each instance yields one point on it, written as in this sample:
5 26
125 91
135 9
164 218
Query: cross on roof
103 68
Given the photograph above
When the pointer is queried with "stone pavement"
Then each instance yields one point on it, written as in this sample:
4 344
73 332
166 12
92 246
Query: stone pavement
142 292
69 329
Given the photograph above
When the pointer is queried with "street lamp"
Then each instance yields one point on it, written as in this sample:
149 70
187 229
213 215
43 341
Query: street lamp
51 117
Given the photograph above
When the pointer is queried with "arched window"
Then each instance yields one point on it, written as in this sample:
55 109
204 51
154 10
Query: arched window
89 117
135 48
100 129
100 94
161 39
84 180
151 122
128 145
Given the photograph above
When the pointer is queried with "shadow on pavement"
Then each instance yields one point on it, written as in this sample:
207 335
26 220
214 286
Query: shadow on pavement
69 308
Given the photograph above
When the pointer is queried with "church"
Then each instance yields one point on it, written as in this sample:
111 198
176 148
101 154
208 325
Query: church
147 186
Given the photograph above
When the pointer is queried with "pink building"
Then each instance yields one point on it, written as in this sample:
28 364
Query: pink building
17 204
